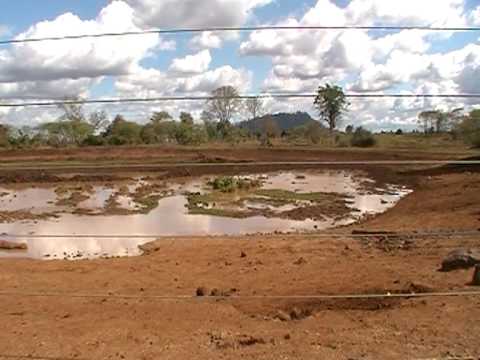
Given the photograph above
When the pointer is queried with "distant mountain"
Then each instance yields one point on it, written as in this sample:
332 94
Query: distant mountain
284 121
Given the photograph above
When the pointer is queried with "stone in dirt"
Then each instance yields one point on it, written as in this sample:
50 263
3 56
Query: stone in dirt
8 245
461 259
282 316
202 291
225 340
476 276
300 261
149 248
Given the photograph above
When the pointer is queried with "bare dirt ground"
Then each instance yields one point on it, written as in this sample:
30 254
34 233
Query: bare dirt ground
108 326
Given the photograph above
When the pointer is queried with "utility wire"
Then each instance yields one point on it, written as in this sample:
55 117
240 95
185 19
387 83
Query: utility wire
42 294
235 29
241 97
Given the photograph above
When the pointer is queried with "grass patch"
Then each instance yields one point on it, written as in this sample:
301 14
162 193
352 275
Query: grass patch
228 184
230 213
286 197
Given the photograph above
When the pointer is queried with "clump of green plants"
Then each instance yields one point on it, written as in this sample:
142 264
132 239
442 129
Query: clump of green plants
363 138
228 184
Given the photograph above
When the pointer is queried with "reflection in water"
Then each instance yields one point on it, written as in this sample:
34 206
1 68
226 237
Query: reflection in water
171 217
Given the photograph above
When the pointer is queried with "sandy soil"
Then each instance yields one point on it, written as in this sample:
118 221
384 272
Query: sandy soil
111 327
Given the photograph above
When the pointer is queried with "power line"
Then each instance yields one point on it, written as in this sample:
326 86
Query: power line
173 31
240 97
382 234
238 297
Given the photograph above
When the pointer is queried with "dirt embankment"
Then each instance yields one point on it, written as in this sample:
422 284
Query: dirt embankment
110 327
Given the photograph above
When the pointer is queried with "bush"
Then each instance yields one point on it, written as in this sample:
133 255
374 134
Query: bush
93 140
363 138
470 129
228 184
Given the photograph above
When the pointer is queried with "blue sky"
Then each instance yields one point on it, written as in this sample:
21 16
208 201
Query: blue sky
298 62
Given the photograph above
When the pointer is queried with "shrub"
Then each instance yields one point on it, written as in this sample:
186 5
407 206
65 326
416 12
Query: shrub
470 129
93 140
228 184
363 138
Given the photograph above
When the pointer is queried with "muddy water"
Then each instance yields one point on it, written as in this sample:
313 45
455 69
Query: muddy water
171 217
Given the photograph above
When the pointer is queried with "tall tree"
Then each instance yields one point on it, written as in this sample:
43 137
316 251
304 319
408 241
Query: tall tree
427 120
223 105
438 120
99 120
160 116
186 118
331 103
71 112
469 128
255 107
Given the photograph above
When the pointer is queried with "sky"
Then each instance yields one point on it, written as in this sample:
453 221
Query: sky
255 62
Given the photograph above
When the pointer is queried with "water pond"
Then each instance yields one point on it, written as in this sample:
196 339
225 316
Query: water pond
262 203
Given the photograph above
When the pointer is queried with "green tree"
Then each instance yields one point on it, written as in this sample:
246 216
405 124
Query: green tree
363 138
161 116
4 135
186 118
331 104
123 132
469 128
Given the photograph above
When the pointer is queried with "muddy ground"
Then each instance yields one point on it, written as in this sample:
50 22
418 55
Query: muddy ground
107 326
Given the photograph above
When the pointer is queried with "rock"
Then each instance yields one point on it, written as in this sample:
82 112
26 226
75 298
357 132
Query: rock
202 291
243 255
296 313
417 288
476 276
282 316
150 247
461 259
215 293
300 261
8 245
299 314
287 337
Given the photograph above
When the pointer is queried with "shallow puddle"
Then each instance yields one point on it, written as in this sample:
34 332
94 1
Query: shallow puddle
172 218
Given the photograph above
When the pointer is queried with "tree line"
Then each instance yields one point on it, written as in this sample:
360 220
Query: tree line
77 128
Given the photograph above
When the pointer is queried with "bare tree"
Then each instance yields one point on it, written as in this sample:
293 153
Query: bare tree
255 107
99 120
427 120
438 120
270 131
71 111
223 105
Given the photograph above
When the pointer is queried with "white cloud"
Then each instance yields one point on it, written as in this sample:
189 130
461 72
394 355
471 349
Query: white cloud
152 82
407 12
192 64
206 40
212 40
25 64
193 13
474 17
371 61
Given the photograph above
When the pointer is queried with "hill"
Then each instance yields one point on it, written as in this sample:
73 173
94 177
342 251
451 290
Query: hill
284 121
